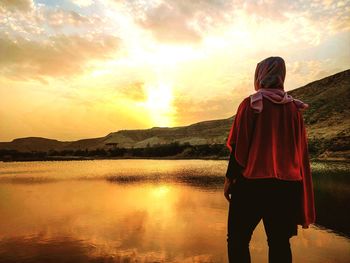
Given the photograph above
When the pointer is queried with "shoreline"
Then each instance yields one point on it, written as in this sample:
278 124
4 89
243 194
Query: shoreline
82 158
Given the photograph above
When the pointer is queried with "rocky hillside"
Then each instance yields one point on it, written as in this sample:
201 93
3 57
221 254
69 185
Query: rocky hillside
206 132
327 119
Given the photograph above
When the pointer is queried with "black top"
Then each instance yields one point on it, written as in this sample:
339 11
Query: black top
233 168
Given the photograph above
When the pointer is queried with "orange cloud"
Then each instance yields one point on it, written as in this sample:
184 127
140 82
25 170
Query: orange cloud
133 91
58 56
179 21
21 5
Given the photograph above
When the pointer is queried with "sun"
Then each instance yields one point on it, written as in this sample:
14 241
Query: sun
159 104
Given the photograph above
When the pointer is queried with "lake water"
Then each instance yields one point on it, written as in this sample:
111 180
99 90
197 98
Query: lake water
148 211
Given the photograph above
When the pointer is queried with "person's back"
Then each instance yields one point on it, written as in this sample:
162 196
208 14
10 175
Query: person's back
274 152
268 175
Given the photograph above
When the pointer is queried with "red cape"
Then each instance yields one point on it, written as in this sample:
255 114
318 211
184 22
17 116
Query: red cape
273 143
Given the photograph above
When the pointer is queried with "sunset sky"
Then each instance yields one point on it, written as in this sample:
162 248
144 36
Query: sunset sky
77 69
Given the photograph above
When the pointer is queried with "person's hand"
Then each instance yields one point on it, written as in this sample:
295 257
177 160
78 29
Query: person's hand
227 187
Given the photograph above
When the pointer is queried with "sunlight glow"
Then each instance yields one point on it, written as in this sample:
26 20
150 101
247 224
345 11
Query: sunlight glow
161 191
95 67
159 103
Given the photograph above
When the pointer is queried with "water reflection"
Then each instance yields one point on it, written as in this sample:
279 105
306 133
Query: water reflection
140 210
332 194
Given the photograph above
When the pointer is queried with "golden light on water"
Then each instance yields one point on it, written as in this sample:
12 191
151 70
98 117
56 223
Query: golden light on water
161 191
54 210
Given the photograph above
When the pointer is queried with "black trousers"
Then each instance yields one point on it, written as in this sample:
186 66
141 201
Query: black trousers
274 201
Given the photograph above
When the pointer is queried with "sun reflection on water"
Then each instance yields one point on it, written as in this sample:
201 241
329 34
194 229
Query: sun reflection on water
161 191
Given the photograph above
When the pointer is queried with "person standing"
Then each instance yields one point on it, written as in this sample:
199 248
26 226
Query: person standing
268 175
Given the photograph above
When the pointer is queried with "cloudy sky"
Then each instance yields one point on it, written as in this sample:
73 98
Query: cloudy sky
75 69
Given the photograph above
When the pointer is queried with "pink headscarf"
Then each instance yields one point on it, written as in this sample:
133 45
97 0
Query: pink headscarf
268 82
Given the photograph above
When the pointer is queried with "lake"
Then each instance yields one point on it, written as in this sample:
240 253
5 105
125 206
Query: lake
148 211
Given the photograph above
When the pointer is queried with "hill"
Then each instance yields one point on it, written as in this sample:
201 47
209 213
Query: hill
327 120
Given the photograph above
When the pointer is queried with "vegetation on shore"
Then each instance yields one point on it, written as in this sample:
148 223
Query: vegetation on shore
170 151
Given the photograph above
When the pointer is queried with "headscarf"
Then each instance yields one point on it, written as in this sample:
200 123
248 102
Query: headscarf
269 83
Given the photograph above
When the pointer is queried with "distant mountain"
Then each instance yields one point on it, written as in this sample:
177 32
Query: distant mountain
327 119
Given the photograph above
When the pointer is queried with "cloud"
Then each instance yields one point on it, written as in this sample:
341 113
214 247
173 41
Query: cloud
12 5
168 24
178 21
43 20
51 41
134 91
303 72
268 10
189 21
60 17
58 56
83 3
